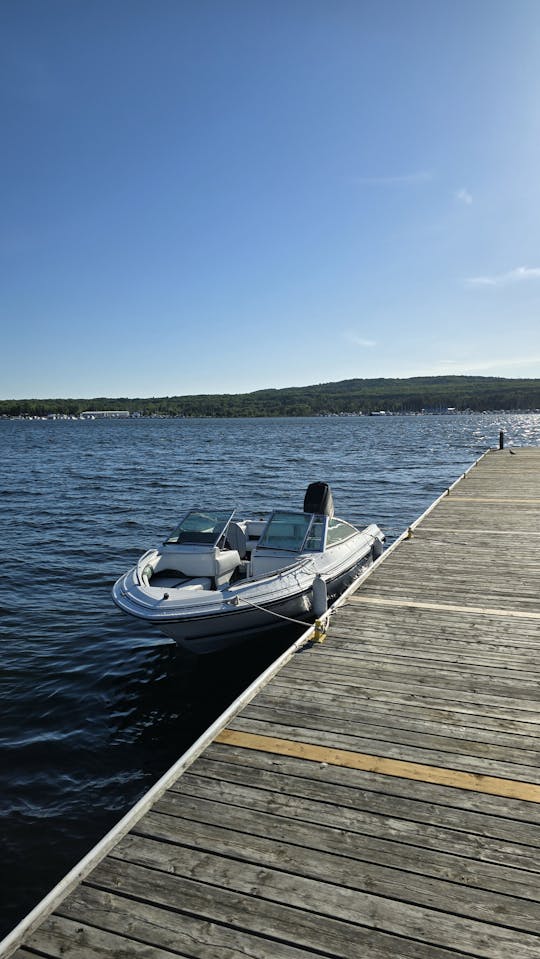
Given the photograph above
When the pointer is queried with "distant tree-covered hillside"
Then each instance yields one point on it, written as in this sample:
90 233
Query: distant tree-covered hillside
431 393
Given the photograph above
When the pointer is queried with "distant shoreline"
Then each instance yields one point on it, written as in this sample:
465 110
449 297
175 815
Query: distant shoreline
59 417
448 395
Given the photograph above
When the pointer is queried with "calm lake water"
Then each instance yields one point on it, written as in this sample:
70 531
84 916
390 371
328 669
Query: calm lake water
95 706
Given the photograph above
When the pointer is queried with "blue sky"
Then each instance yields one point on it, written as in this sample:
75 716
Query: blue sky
226 195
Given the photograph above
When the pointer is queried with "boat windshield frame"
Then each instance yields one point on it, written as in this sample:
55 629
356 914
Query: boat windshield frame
187 533
298 540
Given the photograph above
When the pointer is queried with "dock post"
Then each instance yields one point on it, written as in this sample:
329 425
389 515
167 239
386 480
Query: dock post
501 440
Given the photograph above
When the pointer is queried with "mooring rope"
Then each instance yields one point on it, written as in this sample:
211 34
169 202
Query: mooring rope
319 628
264 609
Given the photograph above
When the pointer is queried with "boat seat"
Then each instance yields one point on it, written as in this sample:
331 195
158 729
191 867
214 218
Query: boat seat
194 561
226 561
254 528
237 537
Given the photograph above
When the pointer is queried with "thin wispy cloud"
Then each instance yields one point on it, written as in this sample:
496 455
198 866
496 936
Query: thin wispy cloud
518 275
400 179
497 367
458 367
359 340
463 196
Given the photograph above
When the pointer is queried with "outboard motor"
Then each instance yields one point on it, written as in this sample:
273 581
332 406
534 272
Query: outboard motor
318 499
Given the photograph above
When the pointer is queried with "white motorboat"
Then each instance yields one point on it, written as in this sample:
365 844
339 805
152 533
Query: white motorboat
219 578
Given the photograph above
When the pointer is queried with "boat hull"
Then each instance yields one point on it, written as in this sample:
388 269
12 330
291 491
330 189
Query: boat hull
211 632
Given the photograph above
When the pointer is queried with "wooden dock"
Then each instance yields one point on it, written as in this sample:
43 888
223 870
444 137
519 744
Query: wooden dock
378 798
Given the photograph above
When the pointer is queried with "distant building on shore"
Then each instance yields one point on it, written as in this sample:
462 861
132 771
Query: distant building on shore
104 414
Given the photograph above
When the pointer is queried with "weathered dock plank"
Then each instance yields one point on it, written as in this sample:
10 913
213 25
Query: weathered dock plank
379 797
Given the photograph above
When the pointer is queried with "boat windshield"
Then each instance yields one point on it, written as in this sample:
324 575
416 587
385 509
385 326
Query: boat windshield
201 528
290 531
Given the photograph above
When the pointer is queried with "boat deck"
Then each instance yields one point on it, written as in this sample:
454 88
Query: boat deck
379 798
